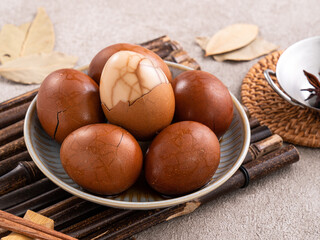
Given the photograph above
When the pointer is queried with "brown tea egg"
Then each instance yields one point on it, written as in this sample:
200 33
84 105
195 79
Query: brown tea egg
68 99
102 158
136 95
202 97
182 158
97 64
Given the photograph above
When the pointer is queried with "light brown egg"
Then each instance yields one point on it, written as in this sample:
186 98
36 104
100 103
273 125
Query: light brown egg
102 158
136 95
68 99
97 64
182 158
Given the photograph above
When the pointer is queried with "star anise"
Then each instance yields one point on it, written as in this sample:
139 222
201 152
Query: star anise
314 92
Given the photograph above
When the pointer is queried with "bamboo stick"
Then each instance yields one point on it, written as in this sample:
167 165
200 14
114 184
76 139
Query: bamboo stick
26 193
98 221
74 214
12 148
39 202
13 115
259 133
11 132
162 46
10 163
60 206
23 174
262 147
254 122
19 100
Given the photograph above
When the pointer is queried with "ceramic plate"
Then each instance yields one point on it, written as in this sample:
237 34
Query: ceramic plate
45 153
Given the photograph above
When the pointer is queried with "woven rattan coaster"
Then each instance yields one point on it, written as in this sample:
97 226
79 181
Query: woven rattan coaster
294 124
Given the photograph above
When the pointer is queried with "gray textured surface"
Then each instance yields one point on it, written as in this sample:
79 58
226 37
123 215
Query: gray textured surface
285 205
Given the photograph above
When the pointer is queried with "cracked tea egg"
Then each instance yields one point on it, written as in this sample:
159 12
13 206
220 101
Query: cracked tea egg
182 158
136 94
67 100
102 158
97 64
202 97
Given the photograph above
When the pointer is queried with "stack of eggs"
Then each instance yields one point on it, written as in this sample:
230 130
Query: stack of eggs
129 96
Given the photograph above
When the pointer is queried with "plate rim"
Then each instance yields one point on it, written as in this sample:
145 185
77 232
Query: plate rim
139 205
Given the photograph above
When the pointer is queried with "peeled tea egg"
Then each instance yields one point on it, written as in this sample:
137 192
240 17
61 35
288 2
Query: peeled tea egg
136 94
97 64
182 158
202 97
67 100
102 158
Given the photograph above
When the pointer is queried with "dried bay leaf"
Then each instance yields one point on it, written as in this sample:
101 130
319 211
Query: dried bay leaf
255 49
202 42
11 40
231 38
40 35
27 39
34 68
25 27
26 51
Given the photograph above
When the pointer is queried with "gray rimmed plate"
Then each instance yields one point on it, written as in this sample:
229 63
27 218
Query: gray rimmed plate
45 152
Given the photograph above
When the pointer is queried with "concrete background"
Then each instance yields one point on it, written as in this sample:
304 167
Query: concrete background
285 205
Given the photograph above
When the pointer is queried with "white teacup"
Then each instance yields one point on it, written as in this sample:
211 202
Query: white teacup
303 55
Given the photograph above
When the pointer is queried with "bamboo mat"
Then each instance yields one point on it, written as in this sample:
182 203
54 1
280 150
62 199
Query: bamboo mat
23 186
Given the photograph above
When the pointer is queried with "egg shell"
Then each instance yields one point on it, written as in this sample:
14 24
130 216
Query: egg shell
202 97
102 158
97 63
67 100
182 158
147 115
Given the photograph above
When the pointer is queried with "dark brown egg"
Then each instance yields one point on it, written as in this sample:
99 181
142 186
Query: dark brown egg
182 158
97 64
201 97
102 158
68 99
